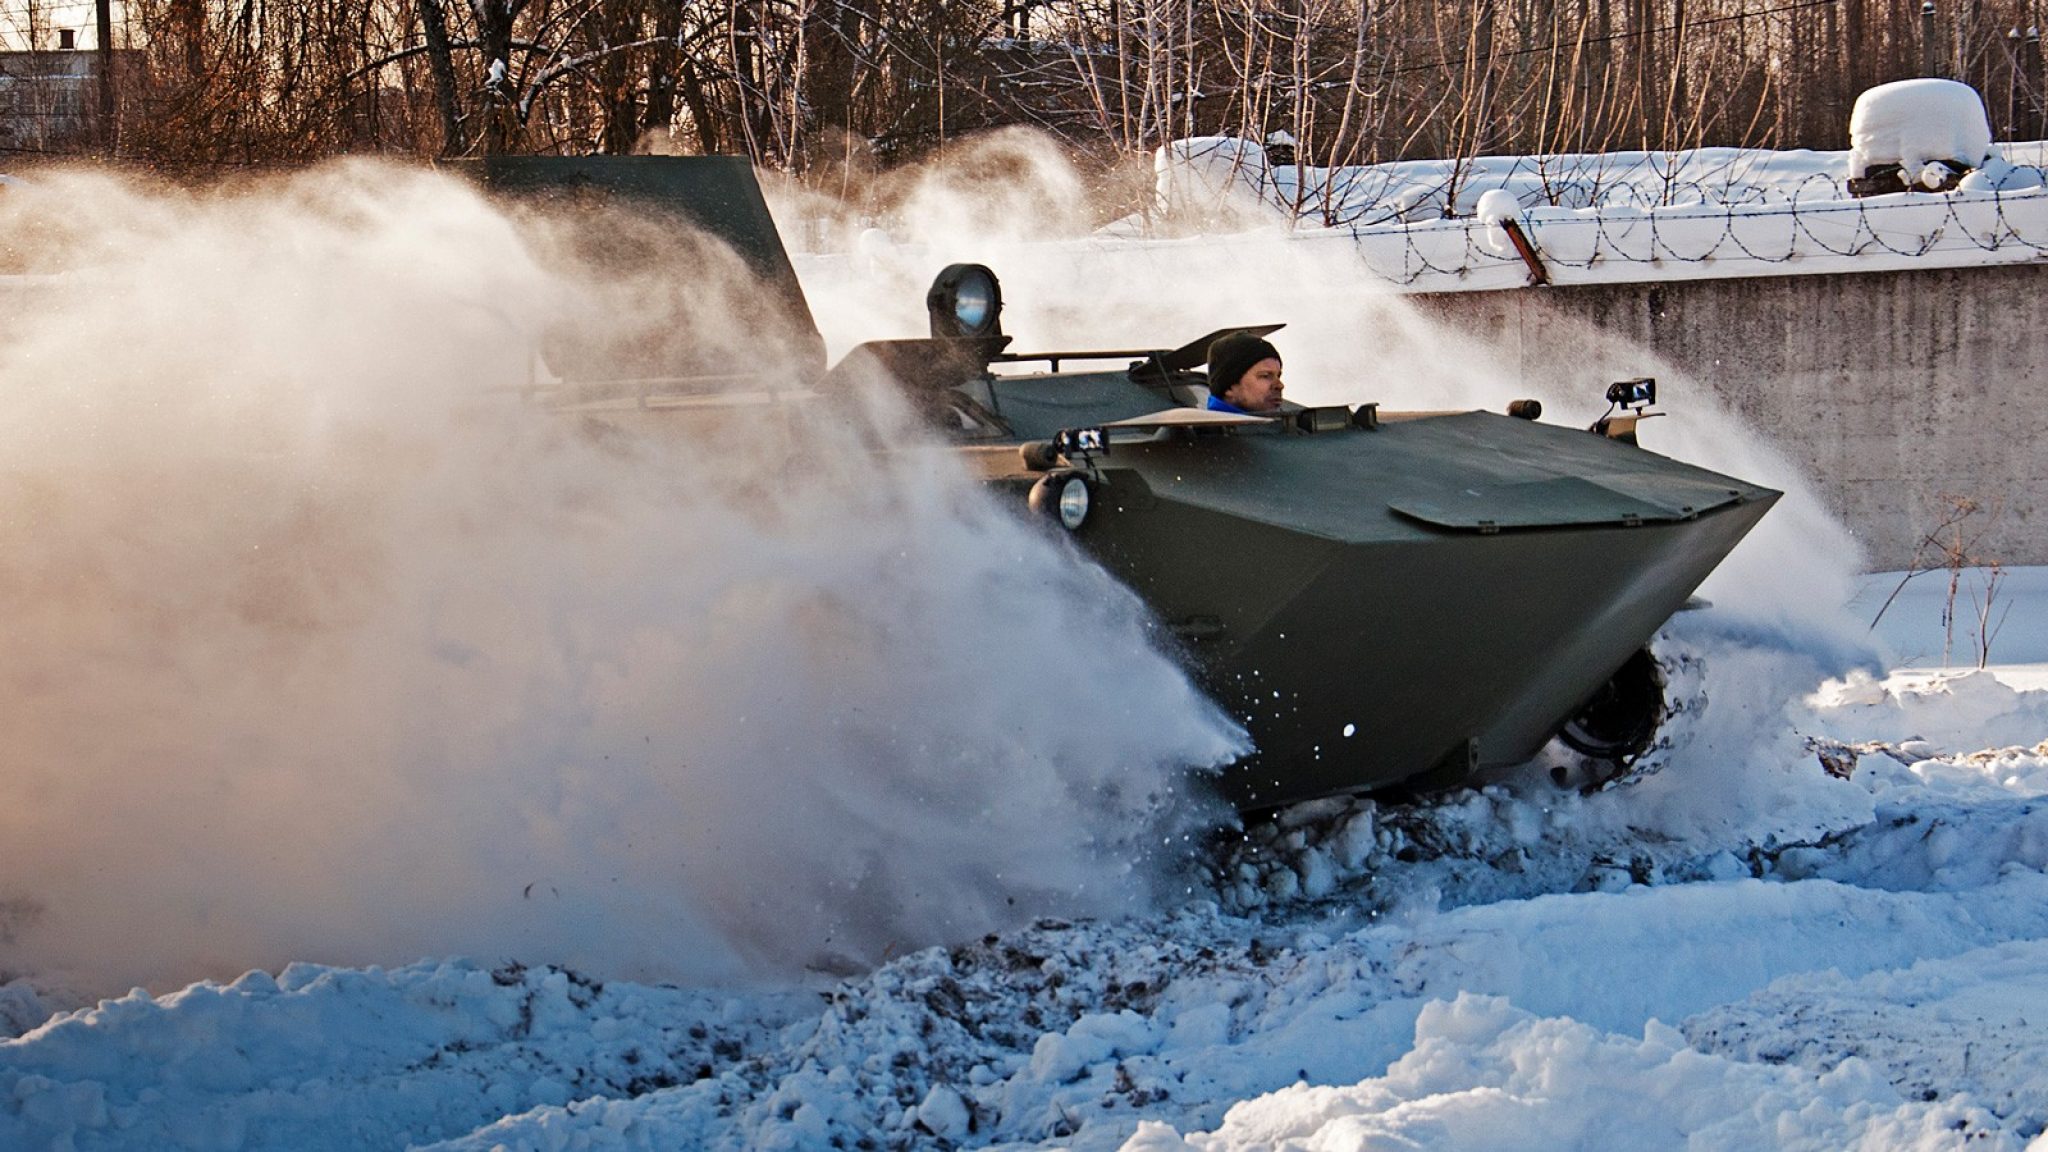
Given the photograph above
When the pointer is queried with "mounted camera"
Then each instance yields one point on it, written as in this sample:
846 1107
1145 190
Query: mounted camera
1633 397
1081 441
1636 394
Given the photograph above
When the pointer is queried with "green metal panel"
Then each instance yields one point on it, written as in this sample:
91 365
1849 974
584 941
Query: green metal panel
1548 503
1417 643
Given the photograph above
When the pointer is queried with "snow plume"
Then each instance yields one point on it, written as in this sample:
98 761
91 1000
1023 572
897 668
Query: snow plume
323 646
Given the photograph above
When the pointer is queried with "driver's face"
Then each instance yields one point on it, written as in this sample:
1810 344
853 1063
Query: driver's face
1258 390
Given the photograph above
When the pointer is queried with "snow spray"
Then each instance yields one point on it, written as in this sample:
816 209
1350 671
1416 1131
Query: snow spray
323 645
1778 624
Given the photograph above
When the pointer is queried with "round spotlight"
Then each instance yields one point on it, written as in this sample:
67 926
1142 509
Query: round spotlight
1073 502
965 301
1064 495
975 304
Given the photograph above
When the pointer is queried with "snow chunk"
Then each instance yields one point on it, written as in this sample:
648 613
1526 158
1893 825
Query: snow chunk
944 1113
1057 1058
1999 175
20 1009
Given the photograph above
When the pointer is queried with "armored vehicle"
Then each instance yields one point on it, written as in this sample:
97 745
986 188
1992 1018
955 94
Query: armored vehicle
1384 599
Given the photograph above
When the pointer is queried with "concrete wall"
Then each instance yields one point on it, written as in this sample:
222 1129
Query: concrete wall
1898 392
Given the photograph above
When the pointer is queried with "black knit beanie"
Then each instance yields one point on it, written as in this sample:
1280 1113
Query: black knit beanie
1230 357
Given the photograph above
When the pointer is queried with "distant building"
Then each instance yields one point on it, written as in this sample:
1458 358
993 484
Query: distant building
49 99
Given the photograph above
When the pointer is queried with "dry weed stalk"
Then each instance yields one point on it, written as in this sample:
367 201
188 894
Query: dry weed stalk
1954 546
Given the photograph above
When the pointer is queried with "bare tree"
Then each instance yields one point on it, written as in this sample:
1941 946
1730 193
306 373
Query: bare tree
828 88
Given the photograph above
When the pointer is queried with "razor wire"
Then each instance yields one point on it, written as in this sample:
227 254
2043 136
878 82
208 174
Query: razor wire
1751 240
1601 218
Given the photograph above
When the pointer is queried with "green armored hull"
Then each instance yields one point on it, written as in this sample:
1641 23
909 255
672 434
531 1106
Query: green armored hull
1401 603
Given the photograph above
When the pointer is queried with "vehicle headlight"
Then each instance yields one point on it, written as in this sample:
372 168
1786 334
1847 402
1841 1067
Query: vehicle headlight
1073 502
1064 495
965 301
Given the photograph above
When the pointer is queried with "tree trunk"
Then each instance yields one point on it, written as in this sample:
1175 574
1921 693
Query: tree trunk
434 26
110 134
699 106
501 108
617 105
742 37
659 113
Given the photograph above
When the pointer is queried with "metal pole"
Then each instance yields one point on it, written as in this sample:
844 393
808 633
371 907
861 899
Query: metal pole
2030 101
2015 84
1927 49
104 10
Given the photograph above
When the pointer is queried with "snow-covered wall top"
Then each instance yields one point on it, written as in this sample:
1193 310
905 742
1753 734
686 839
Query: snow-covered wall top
1634 216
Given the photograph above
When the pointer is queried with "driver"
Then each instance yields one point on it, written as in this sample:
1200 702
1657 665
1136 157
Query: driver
1244 375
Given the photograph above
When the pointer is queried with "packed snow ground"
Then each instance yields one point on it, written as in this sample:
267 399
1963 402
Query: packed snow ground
1741 952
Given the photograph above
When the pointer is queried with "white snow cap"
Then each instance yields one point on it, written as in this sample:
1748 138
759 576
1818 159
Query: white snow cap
1498 204
1914 123
1496 207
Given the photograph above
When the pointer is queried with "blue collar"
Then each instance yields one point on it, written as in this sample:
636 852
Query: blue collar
1219 404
